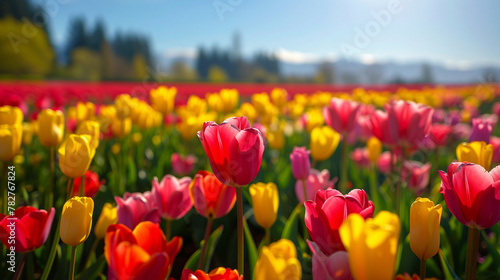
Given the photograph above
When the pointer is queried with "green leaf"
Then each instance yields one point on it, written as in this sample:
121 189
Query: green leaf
448 272
252 249
287 231
92 271
132 172
209 250
192 262
492 250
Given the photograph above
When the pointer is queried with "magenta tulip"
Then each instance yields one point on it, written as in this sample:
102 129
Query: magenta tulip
32 227
481 129
472 194
172 197
134 208
234 150
341 114
301 164
182 165
384 162
416 174
380 126
360 157
333 267
408 122
315 181
324 216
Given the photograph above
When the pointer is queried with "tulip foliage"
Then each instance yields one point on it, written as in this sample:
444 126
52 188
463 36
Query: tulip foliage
273 184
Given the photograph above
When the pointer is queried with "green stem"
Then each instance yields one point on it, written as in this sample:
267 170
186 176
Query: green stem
5 192
343 166
82 186
31 265
70 187
472 252
305 189
72 263
52 253
20 268
203 261
400 181
168 229
374 185
239 201
267 237
92 250
50 193
422 269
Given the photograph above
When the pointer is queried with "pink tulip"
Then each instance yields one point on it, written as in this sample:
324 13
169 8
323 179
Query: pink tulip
417 175
326 213
495 143
472 194
453 117
384 162
408 122
134 208
461 131
301 163
172 197
496 109
481 129
32 227
380 127
234 150
341 114
182 165
439 133
333 267
361 158
315 181
438 116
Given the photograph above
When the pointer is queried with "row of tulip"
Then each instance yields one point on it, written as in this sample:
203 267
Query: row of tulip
364 229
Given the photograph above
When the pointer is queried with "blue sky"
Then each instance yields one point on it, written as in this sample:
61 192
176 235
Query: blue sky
457 33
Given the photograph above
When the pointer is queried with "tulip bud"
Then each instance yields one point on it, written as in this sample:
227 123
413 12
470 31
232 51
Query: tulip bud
85 111
324 142
374 147
475 152
50 127
265 202
278 261
10 115
121 127
163 99
10 141
91 128
76 220
424 228
301 164
75 155
107 218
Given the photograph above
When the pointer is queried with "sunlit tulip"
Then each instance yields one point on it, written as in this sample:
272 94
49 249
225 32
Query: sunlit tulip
247 109
229 99
313 119
163 99
91 128
416 174
107 218
475 152
219 273
143 253
10 115
29 129
372 245
314 182
10 141
75 155
481 130
380 127
134 208
472 194
360 157
374 147
265 201
341 114
211 198
234 150
85 111
439 134
408 122
50 127
182 165
334 267
32 227
326 213
300 162
76 220
425 219
278 261
324 142
261 102
276 138
92 184
172 196
121 127
279 97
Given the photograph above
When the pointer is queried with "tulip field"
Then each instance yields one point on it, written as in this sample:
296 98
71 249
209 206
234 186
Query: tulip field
241 181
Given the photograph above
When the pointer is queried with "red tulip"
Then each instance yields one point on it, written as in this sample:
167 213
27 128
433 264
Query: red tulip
300 163
472 194
92 184
360 156
495 143
380 127
143 253
219 273
417 174
315 181
32 227
439 133
182 165
134 208
211 198
234 149
384 162
172 197
341 114
408 122
334 267
325 215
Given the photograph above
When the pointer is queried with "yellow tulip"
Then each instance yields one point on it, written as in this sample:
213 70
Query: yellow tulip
279 262
76 220
50 127
75 155
28 130
92 129
279 97
374 147
247 109
275 138
10 115
107 218
265 202
425 219
229 99
85 111
163 99
475 152
214 101
121 127
261 102
372 245
295 109
10 141
314 118
324 142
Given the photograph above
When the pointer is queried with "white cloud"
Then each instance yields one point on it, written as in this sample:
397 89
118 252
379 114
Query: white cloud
367 59
456 64
302 57
180 53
